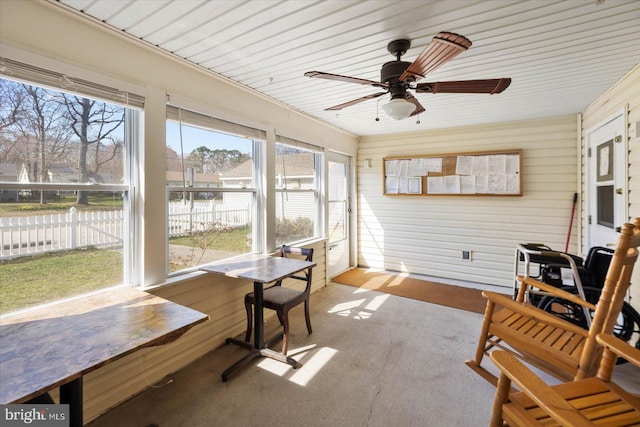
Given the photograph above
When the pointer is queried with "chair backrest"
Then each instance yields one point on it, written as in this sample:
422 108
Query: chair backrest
597 264
305 252
612 297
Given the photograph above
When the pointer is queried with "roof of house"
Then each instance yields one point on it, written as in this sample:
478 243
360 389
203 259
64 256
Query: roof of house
208 178
297 164
8 172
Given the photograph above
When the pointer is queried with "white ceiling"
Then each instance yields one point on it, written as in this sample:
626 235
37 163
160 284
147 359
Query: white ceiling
561 55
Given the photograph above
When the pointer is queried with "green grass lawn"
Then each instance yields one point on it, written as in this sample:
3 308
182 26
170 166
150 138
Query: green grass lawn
234 240
99 202
41 278
32 280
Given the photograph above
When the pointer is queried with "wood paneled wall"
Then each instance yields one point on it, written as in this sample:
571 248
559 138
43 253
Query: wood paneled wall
426 235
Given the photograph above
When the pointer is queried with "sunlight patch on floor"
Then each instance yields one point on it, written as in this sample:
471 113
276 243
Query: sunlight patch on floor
274 367
309 369
377 302
345 309
313 366
360 309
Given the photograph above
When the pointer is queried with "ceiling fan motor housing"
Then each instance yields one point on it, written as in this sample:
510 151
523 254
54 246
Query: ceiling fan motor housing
390 74
391 71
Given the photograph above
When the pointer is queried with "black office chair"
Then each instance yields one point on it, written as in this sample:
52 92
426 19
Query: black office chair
282 299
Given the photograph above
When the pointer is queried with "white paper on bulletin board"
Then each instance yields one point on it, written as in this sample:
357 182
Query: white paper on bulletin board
490 173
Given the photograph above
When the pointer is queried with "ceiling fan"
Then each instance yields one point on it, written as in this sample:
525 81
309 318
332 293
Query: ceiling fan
398 77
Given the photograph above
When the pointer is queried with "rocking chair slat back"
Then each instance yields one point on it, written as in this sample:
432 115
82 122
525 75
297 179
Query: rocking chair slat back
548 342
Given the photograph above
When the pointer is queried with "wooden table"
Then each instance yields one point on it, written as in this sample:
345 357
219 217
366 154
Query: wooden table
261 269
54 346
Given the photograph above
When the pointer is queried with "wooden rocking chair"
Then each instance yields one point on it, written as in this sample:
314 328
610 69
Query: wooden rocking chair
584 402
548 342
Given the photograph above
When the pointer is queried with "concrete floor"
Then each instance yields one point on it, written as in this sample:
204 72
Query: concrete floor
373 360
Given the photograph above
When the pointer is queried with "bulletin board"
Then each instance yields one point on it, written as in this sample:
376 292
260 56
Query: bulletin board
488 173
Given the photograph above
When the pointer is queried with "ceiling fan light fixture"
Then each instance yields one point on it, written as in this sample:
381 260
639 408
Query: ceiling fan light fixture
398 108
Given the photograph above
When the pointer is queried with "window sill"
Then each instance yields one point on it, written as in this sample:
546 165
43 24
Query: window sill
196 274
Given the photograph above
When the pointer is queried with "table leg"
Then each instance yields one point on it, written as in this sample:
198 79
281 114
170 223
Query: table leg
259 349
258 316
71 393
239 364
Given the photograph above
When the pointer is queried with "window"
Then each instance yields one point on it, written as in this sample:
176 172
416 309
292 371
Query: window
298 204
211 184
64 186
338 202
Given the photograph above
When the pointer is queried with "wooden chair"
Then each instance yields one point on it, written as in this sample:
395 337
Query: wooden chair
585 402
282 299
555 345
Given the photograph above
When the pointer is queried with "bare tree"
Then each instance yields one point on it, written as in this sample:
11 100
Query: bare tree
11 103
12 100
95 124
44 132
174 161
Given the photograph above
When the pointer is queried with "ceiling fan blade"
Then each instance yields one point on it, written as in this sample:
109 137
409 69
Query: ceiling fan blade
444 47
329 76
355 101
490 86
419 108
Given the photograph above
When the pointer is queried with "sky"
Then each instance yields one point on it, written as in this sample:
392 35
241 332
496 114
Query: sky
193 138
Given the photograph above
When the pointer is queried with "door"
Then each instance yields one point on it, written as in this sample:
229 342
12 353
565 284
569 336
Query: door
339 210
606 182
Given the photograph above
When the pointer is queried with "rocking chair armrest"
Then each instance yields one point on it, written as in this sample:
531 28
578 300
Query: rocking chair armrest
531 311
555 291
501 299
619 347
536 389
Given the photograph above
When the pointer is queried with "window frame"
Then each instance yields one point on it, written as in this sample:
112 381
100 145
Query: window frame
317 191
213 124
52 81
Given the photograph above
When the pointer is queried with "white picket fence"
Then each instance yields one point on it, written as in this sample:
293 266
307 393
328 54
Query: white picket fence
199 215
28 235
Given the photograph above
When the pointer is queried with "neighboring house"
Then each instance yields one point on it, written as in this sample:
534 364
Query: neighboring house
62 175
23 177
294 171
239 177
207 180
204 180
8 173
